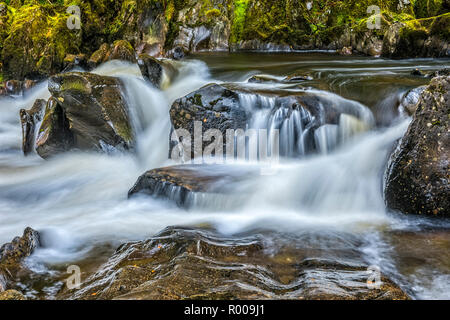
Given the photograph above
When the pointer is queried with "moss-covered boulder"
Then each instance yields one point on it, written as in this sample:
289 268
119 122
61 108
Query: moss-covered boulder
119 50
37 42
418 38
86 112
417 177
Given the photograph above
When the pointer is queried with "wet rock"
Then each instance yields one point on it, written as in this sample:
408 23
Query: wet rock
292 78
86 112
295 77
417 175
122 50
411 99
181 183
346 51
151 69
264 78
439 73
177 53
182 263
416 72
54 135
12 295
119 50
72 61
15 87
30 120
311 114
215 106
12 254
99 56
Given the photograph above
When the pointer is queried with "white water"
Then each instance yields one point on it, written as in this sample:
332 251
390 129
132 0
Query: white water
78 200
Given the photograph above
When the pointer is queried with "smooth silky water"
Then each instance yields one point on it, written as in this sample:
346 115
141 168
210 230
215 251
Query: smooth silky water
78 201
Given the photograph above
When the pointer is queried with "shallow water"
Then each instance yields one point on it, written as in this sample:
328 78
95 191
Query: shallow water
78 201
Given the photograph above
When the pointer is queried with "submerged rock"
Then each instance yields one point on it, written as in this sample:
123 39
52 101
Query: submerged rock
267 78
181 183
12 255
182 263
86 112
417 177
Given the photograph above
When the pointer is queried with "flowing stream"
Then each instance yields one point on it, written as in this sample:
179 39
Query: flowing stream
78 201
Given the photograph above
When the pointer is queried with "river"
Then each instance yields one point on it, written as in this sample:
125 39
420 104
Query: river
322 203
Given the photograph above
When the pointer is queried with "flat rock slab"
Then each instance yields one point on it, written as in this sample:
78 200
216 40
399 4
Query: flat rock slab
177 183
184 263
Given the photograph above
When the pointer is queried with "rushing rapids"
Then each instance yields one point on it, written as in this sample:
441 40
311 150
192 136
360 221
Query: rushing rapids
321 207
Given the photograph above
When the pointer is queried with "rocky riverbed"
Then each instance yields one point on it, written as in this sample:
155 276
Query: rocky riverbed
354 208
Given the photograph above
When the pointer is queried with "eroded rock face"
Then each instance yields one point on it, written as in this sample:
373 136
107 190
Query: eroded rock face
13 253
86 112
181 263
417 177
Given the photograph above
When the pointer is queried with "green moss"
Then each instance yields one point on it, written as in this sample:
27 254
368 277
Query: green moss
239 15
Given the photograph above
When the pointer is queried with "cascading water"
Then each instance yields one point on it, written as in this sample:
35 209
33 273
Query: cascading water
329 180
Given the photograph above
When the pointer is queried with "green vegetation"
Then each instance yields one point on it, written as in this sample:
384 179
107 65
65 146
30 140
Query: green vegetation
34 38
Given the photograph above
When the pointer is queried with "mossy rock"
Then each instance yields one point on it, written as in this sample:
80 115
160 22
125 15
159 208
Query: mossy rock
38 41
417 174
86 112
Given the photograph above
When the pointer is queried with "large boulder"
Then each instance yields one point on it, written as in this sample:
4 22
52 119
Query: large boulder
13 253
86 112
183 263
308 120
417 177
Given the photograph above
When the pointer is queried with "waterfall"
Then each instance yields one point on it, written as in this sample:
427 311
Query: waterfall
301 132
